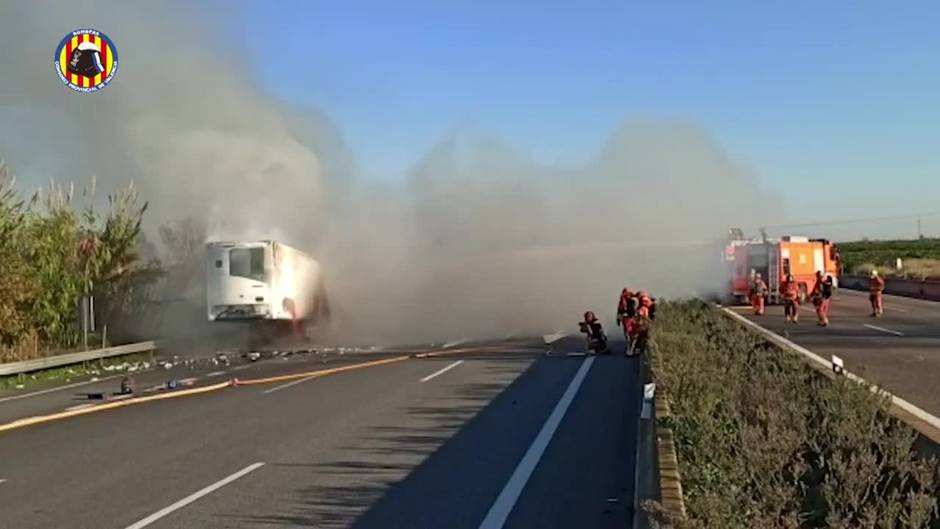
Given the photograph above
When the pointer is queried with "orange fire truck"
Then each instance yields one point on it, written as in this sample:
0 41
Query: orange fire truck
773 259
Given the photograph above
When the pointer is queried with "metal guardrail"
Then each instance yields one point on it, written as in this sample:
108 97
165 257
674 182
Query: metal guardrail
912 288
26 366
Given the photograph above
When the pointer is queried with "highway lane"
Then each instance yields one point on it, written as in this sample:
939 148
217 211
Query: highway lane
899 351
370 448
19 404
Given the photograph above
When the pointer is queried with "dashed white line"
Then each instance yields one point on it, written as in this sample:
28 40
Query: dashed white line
882 329
499 512
194 496
289 384
442 371
239 368
215 374
79 407
2 480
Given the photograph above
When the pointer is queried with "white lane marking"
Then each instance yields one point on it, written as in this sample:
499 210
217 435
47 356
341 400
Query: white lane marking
215 374
455 343
551 338
2 480
194 496
442 371
58 388
239 368
289 384
79 407
882 329
499 512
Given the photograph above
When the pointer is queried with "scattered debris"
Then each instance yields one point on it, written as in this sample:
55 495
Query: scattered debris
128 386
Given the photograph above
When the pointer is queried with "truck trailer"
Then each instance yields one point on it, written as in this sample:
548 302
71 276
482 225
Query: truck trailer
263 280
773 259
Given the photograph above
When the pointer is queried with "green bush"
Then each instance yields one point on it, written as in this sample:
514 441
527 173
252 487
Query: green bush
53 252
858 254
765 441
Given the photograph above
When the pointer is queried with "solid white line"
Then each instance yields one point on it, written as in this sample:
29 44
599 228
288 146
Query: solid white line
882 329
499 512
289 384
442 371
58 388
194 496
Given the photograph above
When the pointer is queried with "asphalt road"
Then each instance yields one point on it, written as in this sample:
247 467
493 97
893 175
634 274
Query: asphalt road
507 437
899 351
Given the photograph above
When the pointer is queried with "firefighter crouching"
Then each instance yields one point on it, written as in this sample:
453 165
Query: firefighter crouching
790 292
758 293
876 288
822 295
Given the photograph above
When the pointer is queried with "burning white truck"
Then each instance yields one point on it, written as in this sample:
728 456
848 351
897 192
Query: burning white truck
263 280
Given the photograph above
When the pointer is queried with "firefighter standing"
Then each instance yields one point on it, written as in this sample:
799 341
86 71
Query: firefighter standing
791 298
626 306
876 288
639 330
626 310
758 294
822 294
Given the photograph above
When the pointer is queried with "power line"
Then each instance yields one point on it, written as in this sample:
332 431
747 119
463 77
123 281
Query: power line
909 216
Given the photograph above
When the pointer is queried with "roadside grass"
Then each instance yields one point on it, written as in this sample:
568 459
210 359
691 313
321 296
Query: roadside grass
765 441
919 269
104 367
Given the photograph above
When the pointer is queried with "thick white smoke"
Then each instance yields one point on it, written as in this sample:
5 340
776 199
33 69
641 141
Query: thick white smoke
180 118
481 241
477 241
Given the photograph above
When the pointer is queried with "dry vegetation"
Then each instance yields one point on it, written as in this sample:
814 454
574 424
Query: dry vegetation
765 441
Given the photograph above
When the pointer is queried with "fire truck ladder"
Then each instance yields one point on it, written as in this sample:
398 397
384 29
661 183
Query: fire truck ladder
773 272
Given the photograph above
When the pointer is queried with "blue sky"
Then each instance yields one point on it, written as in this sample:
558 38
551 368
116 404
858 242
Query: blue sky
843 96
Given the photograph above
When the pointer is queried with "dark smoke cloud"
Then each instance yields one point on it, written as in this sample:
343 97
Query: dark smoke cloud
477 241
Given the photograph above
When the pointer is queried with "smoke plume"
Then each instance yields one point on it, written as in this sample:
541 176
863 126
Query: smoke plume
477 241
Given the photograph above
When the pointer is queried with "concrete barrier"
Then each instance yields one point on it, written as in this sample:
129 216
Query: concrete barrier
657 479
646 470
912 288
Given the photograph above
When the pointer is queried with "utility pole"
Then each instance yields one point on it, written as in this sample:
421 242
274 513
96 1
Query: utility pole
920 233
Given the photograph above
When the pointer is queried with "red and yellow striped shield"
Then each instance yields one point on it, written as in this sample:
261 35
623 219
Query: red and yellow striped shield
86 60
